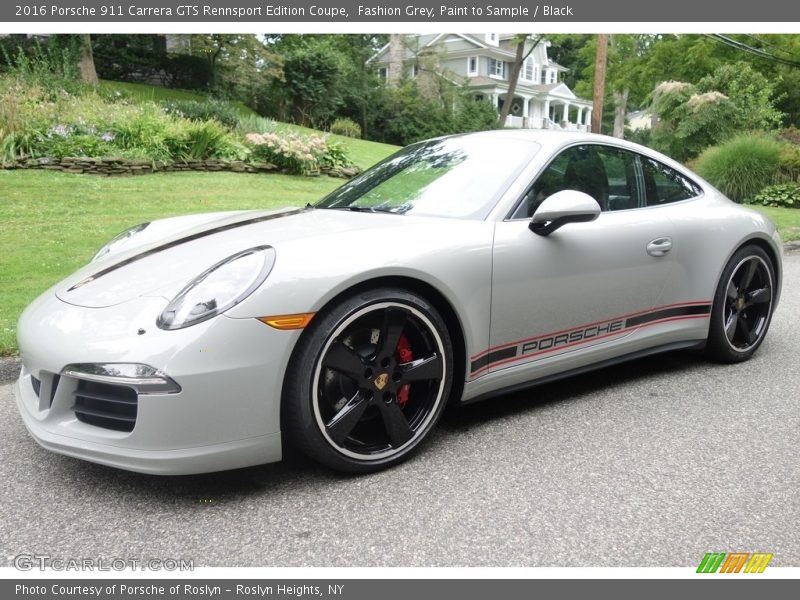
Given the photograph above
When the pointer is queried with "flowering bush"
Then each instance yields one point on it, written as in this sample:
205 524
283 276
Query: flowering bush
36 122
297 153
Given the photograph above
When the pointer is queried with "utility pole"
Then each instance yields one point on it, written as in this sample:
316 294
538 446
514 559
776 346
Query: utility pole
599 82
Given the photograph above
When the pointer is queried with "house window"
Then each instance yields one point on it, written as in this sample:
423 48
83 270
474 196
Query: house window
497 68
472 65
528 70
383 73
491 38
414 71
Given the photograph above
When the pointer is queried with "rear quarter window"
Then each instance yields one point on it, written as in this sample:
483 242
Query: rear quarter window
664 185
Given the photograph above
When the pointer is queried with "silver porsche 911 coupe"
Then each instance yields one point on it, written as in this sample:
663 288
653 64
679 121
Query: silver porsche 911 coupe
455 270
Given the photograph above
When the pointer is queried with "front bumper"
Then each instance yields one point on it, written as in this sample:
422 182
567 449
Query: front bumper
227 414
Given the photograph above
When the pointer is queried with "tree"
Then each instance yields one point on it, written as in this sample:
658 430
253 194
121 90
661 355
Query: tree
734 98
236 63
522 40
86 61
599 89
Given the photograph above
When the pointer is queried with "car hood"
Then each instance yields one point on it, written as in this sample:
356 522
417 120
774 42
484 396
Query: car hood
171 252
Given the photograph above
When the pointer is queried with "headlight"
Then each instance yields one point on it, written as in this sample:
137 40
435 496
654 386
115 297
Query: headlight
219 288
119 240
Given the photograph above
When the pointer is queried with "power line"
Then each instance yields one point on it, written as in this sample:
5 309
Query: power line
751 50
773 45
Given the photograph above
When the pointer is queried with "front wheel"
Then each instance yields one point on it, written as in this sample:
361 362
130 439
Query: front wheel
368 380
743 306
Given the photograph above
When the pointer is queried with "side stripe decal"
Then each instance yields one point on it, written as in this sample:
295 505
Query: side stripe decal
549 342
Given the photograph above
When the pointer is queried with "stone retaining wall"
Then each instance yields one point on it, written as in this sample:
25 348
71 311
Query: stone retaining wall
109 167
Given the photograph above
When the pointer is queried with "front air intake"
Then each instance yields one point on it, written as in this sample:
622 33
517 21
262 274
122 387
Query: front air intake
106 405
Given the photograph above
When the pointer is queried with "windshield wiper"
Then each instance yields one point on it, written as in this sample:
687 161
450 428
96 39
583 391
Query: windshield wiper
369 209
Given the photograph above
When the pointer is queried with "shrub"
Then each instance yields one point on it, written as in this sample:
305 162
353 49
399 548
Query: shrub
790 161
786 195
195 110
734 99
474 115
346 127
33 123
205 139
297 153
53 67
142 58
255 124
742 166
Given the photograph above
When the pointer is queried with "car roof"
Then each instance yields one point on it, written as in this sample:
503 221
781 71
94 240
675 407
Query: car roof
546 137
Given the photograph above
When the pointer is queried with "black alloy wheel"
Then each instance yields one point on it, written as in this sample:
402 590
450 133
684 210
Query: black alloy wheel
743 306
373 378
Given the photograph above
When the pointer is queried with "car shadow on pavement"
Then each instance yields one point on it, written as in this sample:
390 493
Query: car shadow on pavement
569 388
297 471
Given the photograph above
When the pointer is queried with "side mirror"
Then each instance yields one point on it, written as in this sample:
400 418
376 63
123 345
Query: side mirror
566 206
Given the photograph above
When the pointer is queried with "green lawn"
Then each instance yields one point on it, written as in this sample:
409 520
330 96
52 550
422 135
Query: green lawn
787 220
156 93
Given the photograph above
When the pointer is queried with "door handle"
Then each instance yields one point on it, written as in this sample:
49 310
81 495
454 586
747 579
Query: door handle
659 246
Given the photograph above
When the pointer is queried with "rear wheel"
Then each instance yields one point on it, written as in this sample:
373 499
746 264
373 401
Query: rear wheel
368 380
743 305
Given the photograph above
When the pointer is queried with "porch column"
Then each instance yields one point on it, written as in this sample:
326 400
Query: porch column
546 115
526 106
495 100
579 116
587 120
565 115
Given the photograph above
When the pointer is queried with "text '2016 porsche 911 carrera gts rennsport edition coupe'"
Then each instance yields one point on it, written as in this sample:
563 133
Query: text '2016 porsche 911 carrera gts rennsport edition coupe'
454 270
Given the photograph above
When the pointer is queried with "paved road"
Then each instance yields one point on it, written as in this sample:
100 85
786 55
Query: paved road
653 464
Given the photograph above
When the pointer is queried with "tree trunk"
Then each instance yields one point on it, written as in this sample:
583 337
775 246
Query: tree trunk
397 55
86 62
516 67
653 113
599 82
620 112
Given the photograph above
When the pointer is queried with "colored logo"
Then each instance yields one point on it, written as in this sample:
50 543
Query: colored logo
734 562
381 380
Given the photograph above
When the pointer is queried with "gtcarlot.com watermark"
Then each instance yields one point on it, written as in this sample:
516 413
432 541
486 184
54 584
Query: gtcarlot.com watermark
42 562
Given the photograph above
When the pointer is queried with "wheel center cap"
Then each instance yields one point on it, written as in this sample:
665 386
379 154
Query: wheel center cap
740 303
381 380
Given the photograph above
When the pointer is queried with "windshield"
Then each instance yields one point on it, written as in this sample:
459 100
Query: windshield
458 177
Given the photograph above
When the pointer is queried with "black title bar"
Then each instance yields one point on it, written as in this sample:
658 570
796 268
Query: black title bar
367 11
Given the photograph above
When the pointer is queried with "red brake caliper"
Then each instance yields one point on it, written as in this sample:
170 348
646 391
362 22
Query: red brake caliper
404 355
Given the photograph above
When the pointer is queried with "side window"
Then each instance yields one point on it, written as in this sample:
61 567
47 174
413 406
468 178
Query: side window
620 170
607 174
664 185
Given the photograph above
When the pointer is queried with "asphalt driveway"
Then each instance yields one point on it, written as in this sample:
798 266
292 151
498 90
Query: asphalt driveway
650 464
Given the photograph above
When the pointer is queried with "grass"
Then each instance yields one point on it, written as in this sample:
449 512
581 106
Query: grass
143 91
52 223
787 220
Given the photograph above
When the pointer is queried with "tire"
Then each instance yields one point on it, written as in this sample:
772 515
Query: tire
368 380
743 305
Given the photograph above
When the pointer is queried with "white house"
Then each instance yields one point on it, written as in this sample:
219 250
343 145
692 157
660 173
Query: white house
484 61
